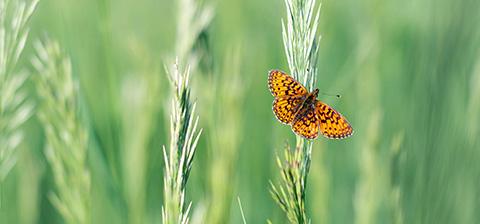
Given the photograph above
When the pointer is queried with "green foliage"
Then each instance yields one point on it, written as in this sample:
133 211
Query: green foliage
66 136
407 70
15 109
294 172
301 41
225 121
192 21
179 157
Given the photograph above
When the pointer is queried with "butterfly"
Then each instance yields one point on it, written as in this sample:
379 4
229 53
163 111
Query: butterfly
295 106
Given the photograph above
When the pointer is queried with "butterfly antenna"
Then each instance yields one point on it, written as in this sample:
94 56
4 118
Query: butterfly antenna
334 95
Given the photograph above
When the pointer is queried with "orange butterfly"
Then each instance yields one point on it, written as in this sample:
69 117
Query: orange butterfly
295 106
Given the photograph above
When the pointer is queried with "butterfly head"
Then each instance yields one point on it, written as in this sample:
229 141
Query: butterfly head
312 97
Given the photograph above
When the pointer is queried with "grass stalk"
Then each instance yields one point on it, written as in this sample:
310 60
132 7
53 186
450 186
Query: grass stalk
15 109
184 137
225 101
373 184
301 48
291 194
193 19
241 210
66 136
140 91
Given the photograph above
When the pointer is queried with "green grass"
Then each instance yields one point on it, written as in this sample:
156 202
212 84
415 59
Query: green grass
15 108
301 49
66 135
408 73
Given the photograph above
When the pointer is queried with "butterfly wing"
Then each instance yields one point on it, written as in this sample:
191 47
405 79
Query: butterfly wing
286 107
332 124
281 84
306 123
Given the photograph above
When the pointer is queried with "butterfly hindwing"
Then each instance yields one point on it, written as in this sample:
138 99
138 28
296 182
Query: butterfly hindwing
286 107
332 124
306 123
281 84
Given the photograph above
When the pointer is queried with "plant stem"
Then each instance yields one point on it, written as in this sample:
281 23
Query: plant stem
301 48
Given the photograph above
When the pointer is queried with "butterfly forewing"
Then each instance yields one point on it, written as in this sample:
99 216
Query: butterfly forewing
332 124
306 123
281 84
286 107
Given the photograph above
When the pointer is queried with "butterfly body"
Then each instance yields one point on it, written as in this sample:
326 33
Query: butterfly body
311 99
295 106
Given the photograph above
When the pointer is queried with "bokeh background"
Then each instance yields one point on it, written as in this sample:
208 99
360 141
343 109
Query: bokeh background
408 72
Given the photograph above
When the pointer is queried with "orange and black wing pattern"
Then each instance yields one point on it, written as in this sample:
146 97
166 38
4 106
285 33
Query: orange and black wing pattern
332 124
306 123
281 84
285 108
295 106
289 95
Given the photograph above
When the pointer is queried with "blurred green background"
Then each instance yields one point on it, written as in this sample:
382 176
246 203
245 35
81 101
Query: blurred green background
408 72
